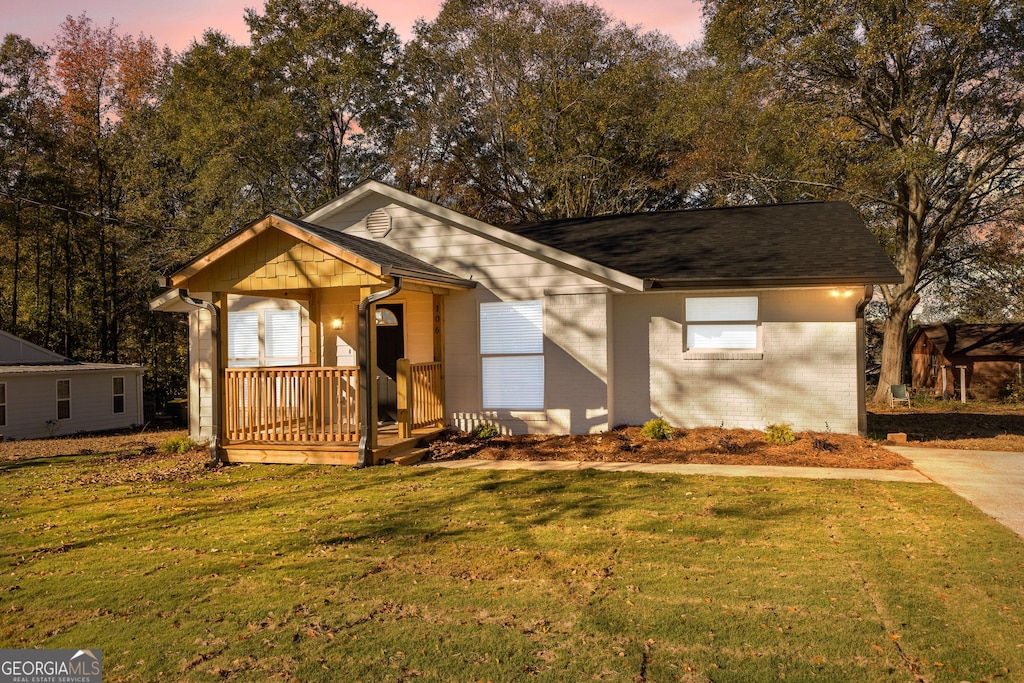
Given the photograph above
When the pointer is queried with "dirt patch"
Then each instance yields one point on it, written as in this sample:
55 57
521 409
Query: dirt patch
119 457
119 442
978 425
704 445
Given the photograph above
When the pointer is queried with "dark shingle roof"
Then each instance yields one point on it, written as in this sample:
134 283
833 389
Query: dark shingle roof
781 244
977 340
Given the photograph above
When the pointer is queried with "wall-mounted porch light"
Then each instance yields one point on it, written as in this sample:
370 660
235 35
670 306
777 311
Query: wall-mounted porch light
337 323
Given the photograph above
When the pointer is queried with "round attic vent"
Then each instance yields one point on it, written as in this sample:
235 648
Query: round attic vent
378 223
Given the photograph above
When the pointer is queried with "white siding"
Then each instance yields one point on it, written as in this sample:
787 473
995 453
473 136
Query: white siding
32 403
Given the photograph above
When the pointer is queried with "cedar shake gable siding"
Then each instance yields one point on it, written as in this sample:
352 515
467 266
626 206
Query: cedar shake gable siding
279 253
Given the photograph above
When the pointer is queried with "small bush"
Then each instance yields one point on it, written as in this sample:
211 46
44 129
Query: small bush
780 434
178 444
657 429
822 444
1013 392
483 432
728 444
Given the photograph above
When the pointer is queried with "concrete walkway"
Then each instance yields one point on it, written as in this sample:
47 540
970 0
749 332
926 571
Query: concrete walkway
992 481
712 470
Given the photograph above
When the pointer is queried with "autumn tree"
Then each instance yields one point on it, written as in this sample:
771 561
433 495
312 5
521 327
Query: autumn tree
522 109
103 79
921 102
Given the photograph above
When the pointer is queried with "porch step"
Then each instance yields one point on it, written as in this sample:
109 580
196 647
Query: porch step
410 458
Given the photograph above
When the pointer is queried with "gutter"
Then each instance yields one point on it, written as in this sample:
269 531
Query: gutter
215 454
366 429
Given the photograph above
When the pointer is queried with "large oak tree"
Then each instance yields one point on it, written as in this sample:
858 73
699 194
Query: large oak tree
919 104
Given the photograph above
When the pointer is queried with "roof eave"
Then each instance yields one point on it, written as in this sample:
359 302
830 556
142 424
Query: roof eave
429 278
726 283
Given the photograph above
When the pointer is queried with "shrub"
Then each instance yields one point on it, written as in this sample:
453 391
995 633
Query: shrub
779 434
178 444
1014 392
822 444
727 443
484 431
657 429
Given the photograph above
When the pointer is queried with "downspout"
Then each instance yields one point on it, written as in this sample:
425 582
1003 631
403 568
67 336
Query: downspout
862 416
215 366
363 360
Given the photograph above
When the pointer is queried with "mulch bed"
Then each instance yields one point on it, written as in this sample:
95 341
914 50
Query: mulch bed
704 445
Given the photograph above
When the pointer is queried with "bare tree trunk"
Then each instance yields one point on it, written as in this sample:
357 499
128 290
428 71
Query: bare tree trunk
17 268
894 342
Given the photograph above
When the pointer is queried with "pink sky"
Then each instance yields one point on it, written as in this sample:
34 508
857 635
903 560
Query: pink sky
176 22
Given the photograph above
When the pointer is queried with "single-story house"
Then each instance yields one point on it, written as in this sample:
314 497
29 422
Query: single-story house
991 354
740 317
45 394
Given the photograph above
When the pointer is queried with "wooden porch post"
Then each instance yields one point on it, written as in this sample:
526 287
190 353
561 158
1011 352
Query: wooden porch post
404 382
438 325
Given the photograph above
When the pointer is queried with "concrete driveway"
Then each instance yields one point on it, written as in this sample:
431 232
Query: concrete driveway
992 481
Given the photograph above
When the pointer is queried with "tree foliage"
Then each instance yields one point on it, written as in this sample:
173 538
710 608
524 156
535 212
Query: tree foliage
522 109
919 100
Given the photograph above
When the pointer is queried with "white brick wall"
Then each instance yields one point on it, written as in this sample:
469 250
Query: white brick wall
807 374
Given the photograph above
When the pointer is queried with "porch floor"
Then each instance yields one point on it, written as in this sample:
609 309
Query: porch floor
389 447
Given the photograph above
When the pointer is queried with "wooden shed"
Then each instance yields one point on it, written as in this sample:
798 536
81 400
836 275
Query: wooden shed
991 353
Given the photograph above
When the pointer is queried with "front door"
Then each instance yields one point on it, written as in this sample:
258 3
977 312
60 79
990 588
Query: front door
389 321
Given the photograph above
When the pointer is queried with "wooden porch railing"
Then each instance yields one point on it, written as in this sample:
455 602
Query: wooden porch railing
420 396
288 405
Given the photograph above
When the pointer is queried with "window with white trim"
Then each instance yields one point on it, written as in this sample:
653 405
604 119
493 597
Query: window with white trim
512 351
63 399
118 392
3 404
722 323
263 338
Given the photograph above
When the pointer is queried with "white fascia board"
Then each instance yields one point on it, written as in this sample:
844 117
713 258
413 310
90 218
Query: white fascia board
482 229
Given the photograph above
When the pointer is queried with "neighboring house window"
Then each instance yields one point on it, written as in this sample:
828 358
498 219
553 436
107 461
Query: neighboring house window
119 394
63 399
263 338
3 404
512 347
722 323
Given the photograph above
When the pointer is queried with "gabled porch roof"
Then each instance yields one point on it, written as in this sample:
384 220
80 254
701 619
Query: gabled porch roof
375 260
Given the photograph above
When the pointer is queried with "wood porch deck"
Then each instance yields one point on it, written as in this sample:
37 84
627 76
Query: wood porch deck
390 448
310 415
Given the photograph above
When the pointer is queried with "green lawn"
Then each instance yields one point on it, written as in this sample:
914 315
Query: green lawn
263 573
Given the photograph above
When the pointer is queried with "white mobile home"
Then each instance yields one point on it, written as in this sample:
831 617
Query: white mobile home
45 394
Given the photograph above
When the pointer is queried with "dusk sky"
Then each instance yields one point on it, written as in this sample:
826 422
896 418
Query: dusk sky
176 23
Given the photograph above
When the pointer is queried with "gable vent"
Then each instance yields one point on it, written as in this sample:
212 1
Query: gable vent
378 223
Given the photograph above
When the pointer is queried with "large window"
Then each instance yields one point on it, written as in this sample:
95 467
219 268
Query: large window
63 399
118 392
263 338
724 323
512 347
3 404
